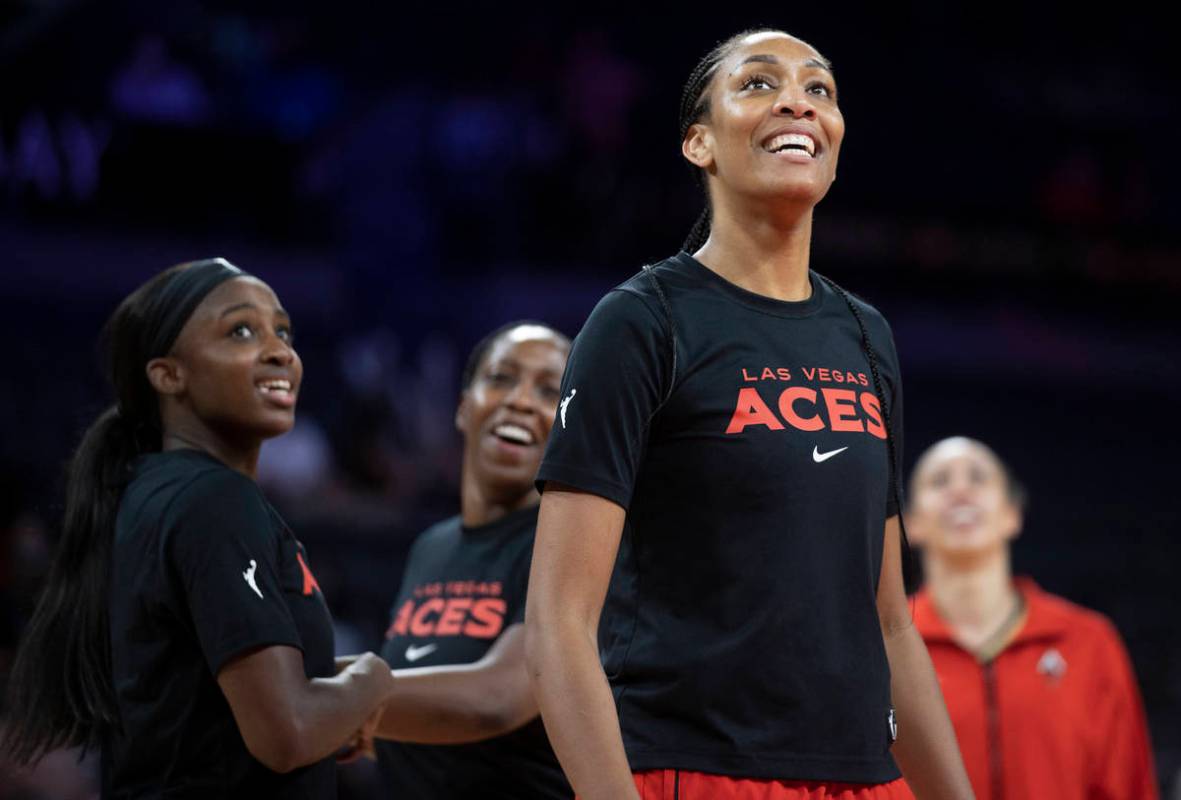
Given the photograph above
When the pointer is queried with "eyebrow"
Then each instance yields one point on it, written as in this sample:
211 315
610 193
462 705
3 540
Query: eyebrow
513 363
760 58
248 305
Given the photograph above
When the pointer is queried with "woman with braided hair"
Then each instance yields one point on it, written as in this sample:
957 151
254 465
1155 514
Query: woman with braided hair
723 478
181 631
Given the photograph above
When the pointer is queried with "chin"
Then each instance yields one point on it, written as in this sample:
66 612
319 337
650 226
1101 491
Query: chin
514 481
799 191
269 429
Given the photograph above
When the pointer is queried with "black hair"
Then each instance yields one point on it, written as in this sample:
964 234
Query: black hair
694 106
60 692
910 573
1014 488
484 345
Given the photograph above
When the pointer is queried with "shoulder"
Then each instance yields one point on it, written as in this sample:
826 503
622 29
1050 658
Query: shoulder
1086 628
655 283
189 481
873 318
442 534
219 489
215 503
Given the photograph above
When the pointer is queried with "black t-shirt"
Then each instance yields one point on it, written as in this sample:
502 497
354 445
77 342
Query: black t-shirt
203 569
740 633
462 588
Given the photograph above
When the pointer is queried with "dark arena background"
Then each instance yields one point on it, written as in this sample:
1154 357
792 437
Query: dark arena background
407 179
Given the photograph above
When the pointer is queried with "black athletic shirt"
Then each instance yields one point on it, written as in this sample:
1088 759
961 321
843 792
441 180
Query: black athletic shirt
462 588
203 570
740 633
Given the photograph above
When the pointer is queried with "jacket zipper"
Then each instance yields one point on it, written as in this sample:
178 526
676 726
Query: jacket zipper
996 769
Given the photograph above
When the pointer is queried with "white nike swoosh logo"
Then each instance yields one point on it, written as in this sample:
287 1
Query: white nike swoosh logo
818 456
414 653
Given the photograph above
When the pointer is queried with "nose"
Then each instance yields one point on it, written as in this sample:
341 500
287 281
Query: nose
795 104
278 351
959 487
521 397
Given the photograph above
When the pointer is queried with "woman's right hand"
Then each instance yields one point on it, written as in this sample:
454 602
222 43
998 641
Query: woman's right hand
370 671
288 721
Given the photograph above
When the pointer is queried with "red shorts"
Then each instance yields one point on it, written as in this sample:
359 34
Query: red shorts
674 784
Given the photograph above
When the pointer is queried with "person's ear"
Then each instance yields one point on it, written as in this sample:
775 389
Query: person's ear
462 413
167 376
698 146
1012 521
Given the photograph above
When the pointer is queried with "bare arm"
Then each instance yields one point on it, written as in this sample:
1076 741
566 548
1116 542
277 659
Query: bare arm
926 748
462 703
573 556
289 721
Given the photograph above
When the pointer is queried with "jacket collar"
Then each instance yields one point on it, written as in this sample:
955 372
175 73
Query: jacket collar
1044 617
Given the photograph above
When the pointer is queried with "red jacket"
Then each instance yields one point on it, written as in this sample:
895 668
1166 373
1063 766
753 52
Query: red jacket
1055 716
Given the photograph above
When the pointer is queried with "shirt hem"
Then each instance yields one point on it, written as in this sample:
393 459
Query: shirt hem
236 648
778 767
584 481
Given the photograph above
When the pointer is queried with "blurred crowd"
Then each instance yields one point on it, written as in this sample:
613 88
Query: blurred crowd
1008 195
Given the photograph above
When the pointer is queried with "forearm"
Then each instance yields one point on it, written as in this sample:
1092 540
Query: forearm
926 749
330 712
456 704
578 709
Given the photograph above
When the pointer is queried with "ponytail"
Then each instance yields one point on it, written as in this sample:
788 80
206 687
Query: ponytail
60 692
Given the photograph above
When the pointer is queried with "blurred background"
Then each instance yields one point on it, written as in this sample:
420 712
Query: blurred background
407 178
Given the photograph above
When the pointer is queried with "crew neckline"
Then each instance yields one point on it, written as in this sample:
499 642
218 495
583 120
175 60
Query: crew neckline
768 305
509 520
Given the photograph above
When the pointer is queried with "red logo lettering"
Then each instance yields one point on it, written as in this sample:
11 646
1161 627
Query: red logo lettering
479 619
842 410
401 620
487 619
751 410
874 412
309 580
453 616
787 408
419 626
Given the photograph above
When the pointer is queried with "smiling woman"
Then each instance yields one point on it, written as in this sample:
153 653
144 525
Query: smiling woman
1044 663
178 631
456 638
756 635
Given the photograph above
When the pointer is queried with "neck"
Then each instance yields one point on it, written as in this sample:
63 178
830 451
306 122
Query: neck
243 458
974 598
481 504
764 253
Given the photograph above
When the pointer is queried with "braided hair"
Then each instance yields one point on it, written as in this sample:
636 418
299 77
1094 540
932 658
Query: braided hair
695 106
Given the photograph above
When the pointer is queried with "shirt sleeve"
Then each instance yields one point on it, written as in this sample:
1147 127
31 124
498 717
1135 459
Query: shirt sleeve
1123 762
616 377
222 548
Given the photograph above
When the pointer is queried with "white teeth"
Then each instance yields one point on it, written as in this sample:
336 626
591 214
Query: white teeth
514 433
793 141
964 515
275 386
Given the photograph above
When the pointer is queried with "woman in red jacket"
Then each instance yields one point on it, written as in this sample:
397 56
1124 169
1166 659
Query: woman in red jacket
1040 691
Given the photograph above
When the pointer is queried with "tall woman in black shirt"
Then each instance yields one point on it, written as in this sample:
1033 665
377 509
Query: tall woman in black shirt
462 721
181 629
730 427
